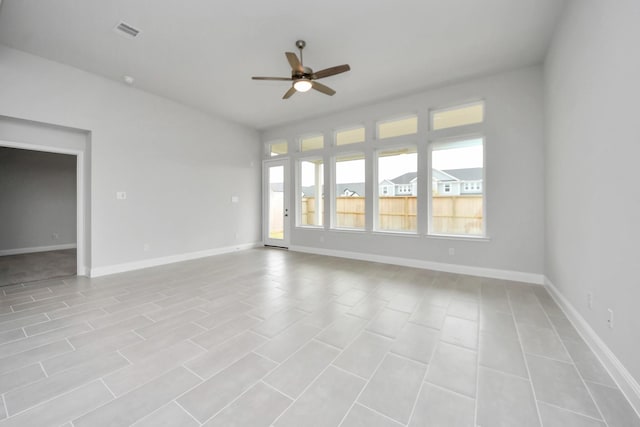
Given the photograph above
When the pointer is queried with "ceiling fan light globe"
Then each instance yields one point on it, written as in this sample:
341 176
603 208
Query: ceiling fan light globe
302 85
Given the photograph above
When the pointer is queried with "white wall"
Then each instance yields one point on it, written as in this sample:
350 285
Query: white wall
514 175
592 91
178 166
37 199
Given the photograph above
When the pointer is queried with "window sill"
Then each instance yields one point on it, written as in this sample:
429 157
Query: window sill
458 237
395 233
310 227
349 230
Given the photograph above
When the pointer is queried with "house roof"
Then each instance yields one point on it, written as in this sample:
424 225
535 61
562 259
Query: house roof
468 174
439 176
356 187
405 178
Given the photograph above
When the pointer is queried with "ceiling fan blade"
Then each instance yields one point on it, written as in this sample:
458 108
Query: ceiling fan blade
331 71
290 92
294 62
322 88
273 78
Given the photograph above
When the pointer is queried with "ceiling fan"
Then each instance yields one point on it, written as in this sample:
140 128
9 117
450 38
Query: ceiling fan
304 78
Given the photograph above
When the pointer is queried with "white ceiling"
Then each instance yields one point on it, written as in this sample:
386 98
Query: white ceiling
203 52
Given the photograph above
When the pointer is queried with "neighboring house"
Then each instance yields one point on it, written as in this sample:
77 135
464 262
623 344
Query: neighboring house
352 189
453 182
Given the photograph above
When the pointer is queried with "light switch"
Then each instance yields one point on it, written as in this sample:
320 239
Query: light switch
121 195
235 199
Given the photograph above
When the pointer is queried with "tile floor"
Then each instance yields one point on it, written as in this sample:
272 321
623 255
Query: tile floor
269 337
22 268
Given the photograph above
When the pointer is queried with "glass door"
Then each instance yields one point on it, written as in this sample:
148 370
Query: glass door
276 203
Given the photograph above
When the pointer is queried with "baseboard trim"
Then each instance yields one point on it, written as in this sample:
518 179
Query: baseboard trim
154 262
492 273
35 249
629 386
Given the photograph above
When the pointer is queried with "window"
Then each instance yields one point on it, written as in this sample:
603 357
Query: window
455 212
457 116
349 192
311 192
399 127
398 212
350 136
277 148
312 142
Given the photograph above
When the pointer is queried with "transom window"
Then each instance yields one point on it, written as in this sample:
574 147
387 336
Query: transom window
457 116
350 136
397 127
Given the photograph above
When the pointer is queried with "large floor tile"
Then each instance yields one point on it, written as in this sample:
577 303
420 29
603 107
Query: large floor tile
140 402
63 408
388 323
460 332
342 331
259 406
223 355
30 395
223 388
416 342
133 376
614 406
505 400
454 368
170 415
429 315
552 416
394 387
360 416
542 342
287 342
502 353
364 354
439 407
559 384
295 374
325 402
587 363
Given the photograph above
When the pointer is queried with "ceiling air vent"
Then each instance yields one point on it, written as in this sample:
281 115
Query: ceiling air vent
127 30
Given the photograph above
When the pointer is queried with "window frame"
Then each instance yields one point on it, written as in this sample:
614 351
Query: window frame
269 144
452 141
298 196
334 205
376 187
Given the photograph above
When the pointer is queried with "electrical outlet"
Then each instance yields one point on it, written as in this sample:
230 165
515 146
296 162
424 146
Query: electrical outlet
146 247
452 251
121 195
590 300
55 236
610 319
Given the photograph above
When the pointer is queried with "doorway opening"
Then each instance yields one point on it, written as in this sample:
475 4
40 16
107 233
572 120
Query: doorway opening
38 206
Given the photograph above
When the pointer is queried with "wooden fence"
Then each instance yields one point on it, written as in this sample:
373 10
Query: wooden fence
451 214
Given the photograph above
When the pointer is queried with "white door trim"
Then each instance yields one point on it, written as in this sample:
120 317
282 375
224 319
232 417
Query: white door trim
266 164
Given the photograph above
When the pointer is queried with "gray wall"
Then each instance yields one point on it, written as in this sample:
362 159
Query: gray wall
179 166
514 175
592 198
37 199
